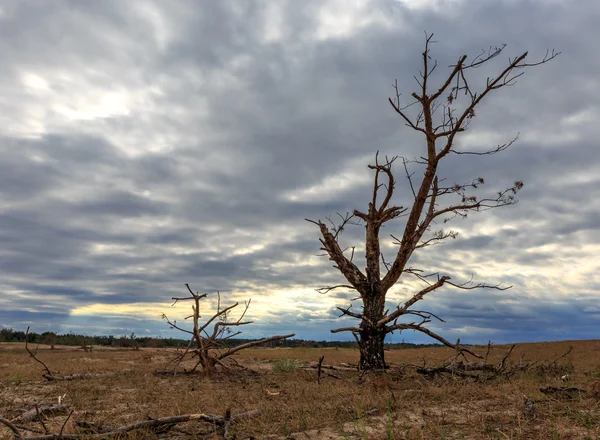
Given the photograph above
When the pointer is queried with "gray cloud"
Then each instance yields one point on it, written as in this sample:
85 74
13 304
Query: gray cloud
143 146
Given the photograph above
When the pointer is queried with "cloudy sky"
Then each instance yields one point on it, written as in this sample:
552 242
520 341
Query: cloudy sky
147 144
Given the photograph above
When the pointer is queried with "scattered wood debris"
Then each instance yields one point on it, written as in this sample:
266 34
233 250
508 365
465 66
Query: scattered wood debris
48 375
162 425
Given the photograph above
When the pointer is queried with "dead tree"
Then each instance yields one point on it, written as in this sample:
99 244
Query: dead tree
481 370
440 113
209 342
48 375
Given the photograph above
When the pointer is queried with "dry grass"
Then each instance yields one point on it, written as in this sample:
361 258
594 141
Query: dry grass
406 405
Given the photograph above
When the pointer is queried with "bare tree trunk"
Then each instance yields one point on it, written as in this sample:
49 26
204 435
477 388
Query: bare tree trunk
371 336
371 349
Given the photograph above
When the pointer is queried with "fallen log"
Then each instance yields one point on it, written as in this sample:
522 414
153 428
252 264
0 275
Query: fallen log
569 393
76 376
472 370
222 422
315 366
41 411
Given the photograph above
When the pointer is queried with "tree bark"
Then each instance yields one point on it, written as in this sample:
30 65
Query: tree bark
372 336
371 349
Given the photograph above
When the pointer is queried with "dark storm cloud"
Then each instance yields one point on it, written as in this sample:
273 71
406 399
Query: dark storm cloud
145 145
16 318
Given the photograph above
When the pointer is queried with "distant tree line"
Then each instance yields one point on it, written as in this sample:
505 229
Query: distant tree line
133 341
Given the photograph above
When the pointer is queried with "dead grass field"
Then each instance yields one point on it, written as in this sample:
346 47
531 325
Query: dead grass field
398 405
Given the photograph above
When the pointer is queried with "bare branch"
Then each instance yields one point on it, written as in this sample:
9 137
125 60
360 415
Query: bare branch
346 219
501 80
349 313
254 343
62 428
48 372
484 57
347 267
406 118
438 238
409 177
504 198
216 315
346 329
494 150
433 335
417 297
457 68
174 324
39 416
12 427
469 286
424 314
324 290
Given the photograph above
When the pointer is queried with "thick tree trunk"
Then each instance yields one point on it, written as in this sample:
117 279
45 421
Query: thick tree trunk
371 350
371 337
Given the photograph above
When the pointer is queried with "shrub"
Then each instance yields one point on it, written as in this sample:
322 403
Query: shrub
285 365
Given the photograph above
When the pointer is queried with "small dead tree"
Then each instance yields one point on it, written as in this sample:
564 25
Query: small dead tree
49 375
209 347
440 114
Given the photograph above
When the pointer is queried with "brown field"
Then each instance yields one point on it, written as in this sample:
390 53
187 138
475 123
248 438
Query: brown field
398 405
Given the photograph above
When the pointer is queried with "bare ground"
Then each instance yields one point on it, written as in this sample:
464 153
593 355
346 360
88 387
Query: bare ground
399 405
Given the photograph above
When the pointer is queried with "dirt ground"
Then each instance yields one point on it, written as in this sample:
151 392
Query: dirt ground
401 404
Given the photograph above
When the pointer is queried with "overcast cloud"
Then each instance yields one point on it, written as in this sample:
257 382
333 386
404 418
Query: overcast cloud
148 144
